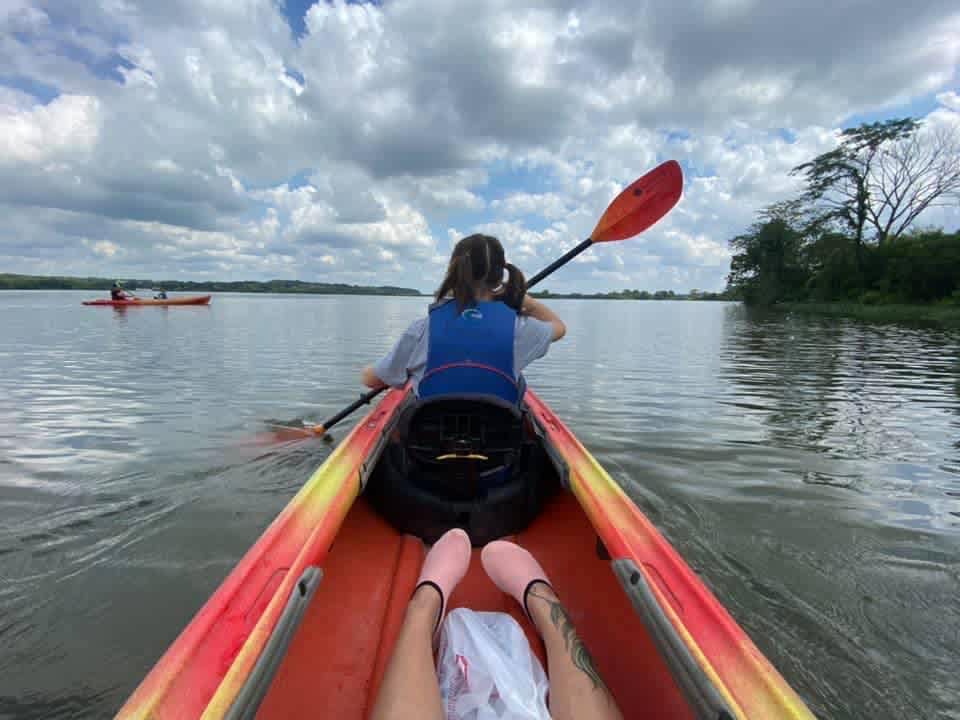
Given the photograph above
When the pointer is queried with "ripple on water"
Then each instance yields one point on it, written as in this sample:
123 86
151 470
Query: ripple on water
809 471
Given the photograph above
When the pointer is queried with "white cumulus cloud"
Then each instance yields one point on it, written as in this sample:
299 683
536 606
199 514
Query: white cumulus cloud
208 139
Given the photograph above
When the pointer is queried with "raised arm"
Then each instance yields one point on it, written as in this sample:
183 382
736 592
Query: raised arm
536 309
369 378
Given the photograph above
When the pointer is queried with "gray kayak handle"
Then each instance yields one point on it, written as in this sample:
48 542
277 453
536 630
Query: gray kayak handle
705 699
255 687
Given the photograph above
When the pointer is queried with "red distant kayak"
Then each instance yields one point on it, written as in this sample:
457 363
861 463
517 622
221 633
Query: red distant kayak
192 300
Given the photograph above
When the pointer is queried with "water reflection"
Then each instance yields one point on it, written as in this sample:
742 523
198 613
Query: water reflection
881 403
868 416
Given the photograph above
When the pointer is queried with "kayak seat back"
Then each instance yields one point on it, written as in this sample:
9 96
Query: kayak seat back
460 448
462 462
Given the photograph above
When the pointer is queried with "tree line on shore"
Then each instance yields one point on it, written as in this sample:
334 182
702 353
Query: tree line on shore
851 234
635 295
10 281
40 282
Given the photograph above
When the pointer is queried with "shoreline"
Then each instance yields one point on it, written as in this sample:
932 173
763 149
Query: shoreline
946 316
13 281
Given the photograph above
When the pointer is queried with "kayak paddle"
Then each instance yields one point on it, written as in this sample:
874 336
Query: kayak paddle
291 432
637 208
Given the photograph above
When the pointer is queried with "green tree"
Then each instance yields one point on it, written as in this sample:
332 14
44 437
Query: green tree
922 267
768 264
834 267
839 181
882 176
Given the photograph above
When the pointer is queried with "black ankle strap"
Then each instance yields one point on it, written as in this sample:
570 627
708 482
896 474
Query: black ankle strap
443 600
527 592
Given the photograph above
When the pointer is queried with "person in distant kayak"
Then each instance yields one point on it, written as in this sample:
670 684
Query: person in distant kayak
160 294
118 293
478 336
410 690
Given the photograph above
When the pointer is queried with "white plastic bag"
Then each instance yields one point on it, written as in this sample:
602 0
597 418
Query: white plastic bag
487 669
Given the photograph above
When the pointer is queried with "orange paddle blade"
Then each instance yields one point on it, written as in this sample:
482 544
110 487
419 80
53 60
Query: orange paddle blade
286 433
641 204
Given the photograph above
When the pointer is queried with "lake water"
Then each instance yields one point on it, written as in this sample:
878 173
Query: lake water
809 469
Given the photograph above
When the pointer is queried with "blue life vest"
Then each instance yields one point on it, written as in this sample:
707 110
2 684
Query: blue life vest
470 353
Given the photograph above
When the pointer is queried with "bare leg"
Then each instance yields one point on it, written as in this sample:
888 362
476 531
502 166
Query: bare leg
410 690
576 688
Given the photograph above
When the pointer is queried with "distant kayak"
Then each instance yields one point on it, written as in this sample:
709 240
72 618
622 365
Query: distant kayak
192 300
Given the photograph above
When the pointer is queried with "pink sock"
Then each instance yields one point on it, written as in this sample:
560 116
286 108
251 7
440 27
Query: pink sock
446 564
512 569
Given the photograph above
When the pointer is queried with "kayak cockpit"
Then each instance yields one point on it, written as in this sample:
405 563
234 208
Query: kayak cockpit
462 463
483 467
335 661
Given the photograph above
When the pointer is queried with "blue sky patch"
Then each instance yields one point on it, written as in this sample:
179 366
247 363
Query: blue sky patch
41 91
295 75
917 108
296 13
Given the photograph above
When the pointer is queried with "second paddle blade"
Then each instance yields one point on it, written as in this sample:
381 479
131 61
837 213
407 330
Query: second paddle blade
641 204
286 433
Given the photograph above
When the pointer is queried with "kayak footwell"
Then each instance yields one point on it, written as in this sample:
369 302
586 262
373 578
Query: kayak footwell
335 662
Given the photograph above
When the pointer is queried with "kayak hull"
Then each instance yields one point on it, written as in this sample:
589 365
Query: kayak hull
356 625
149 302
663 643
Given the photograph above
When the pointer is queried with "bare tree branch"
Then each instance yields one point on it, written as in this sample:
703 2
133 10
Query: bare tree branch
912 174
884 175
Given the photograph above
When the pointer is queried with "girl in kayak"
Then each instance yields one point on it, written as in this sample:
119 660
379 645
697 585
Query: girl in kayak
410 689
482 331
118 293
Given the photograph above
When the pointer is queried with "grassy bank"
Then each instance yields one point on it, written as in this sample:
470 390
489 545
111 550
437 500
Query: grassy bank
942 315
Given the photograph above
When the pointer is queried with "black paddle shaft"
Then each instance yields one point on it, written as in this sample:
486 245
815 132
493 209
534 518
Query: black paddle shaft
362 400
559 262
549 270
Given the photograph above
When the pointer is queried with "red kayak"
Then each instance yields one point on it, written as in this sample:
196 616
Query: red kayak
304 625
191 300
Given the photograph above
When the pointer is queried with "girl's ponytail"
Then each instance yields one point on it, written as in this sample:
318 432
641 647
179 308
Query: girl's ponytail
463 280
515 288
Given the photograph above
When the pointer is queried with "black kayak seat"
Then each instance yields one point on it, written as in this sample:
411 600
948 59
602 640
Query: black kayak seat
468 461
461 446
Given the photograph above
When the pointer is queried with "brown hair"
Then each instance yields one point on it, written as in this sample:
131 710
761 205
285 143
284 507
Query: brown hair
477 261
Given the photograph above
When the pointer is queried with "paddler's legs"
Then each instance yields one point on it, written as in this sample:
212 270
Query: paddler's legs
576 689
410 690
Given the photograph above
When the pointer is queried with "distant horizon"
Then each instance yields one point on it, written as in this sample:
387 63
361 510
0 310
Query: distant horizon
92 283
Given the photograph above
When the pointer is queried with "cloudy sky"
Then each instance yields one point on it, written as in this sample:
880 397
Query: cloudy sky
258 139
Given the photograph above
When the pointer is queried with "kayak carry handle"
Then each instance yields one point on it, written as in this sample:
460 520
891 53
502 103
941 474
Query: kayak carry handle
705 699
257 684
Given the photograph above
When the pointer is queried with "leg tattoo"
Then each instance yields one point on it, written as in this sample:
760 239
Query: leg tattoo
578 651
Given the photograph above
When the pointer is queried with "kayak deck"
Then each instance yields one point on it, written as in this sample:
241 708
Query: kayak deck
340 650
